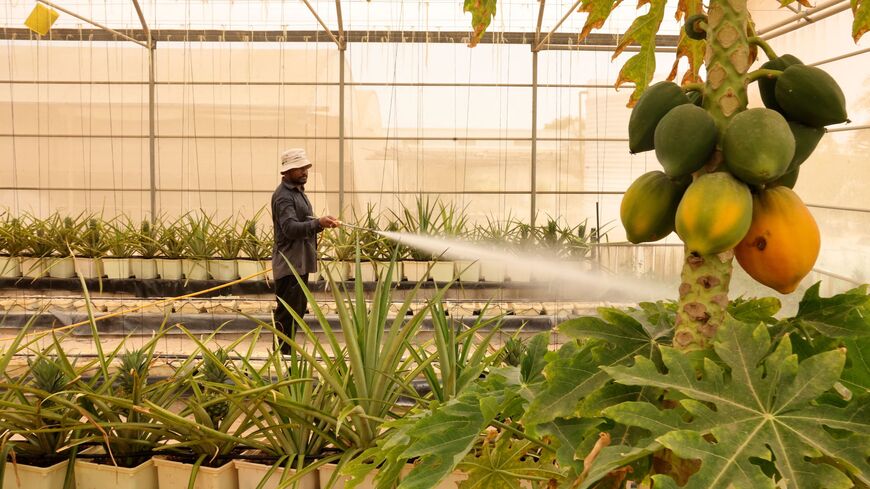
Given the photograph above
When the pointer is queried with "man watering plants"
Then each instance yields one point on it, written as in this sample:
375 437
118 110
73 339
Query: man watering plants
295 239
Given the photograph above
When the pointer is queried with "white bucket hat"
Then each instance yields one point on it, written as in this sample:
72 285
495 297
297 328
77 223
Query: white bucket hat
293 158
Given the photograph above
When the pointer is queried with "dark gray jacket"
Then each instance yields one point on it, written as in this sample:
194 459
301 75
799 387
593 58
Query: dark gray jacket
295 231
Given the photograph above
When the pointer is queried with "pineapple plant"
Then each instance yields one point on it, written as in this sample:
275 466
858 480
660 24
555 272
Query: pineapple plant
213 374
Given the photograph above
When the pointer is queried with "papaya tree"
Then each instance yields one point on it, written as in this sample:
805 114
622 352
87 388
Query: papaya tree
701 392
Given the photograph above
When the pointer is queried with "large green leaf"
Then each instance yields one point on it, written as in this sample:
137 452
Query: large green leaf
505 464
761 408
573 372
755 310
691 49
856 375
845 315
640 67
599 11
482 12
861 23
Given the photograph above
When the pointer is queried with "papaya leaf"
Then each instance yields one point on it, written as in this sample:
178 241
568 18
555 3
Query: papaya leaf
845 315
755 310
573 372
640 67
691 49
505 464
599 11
569 433
761 409
861 22
805 3
482 12
856 375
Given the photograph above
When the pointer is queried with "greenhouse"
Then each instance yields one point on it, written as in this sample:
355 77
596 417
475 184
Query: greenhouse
434 244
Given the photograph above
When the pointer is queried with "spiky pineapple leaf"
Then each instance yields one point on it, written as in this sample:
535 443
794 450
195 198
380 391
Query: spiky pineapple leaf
640 67
861 22
574 371
505 464
761 409
482 12
599 11
845 315
691 49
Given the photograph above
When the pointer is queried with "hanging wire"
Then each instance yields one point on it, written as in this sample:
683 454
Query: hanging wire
111 129
11 62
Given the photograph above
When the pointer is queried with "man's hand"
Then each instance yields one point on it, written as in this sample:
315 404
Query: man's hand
327 222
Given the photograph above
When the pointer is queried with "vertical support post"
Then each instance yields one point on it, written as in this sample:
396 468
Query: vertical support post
341 133
534 171
152 153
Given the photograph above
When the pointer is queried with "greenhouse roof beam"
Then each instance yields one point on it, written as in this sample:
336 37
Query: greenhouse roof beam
595 41
89 21
537 46
145 28
540 21
804 15
323 24
342 43
821 15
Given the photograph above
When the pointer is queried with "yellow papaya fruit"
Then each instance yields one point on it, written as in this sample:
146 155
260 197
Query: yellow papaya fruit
783 241
714 213
648 207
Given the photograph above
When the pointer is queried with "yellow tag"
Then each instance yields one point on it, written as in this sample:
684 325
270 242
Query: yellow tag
41 19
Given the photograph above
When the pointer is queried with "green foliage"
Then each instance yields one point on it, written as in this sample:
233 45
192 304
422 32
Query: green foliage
691 49
639 68
756 405
482 12
861 23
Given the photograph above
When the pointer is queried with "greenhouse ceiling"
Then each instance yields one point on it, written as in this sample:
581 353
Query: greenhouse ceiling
516 21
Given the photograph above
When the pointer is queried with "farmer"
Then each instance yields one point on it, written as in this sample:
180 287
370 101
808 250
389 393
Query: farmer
295 239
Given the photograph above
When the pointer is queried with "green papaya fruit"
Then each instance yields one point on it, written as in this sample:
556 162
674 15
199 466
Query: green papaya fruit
649 205
810 96
806 139
767 86
788 180
655 102
696 97
693 29
758 145
684 139
714 214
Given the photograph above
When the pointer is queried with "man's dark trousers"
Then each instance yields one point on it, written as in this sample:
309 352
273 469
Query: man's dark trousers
288 289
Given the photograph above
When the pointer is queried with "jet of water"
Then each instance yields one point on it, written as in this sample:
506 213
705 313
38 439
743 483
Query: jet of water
571 276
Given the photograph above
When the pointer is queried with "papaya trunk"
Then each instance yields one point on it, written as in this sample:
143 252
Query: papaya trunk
705 278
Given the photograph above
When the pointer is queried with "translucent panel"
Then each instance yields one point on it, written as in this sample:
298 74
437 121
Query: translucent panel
593 67
241 204
440 111
247 62
42 203
259 111
478 207
439 63
73 60
601 166
111 163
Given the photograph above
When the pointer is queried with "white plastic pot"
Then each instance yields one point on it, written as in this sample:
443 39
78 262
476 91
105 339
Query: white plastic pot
468 271
442 271
91 475
416 271
338 271
195 269
20 476
169 268
10 266
116 268
61 267
493 271
368 271
250 267
175 475
398 270
89 267
143 268
326 472
520 274
223 270
32 267
252 474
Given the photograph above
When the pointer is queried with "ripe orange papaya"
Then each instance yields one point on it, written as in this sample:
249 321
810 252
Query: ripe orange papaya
714 213
649 205
783 242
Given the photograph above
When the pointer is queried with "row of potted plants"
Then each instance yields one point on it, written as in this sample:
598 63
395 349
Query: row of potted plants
224 417
198 247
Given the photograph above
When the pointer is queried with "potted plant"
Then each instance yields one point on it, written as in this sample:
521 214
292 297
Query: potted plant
12 245
494 234
170 239
38 247
523 236
422 219
228 246
146 247
92 247
255 248
120 241
200 245
38 416
338 247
